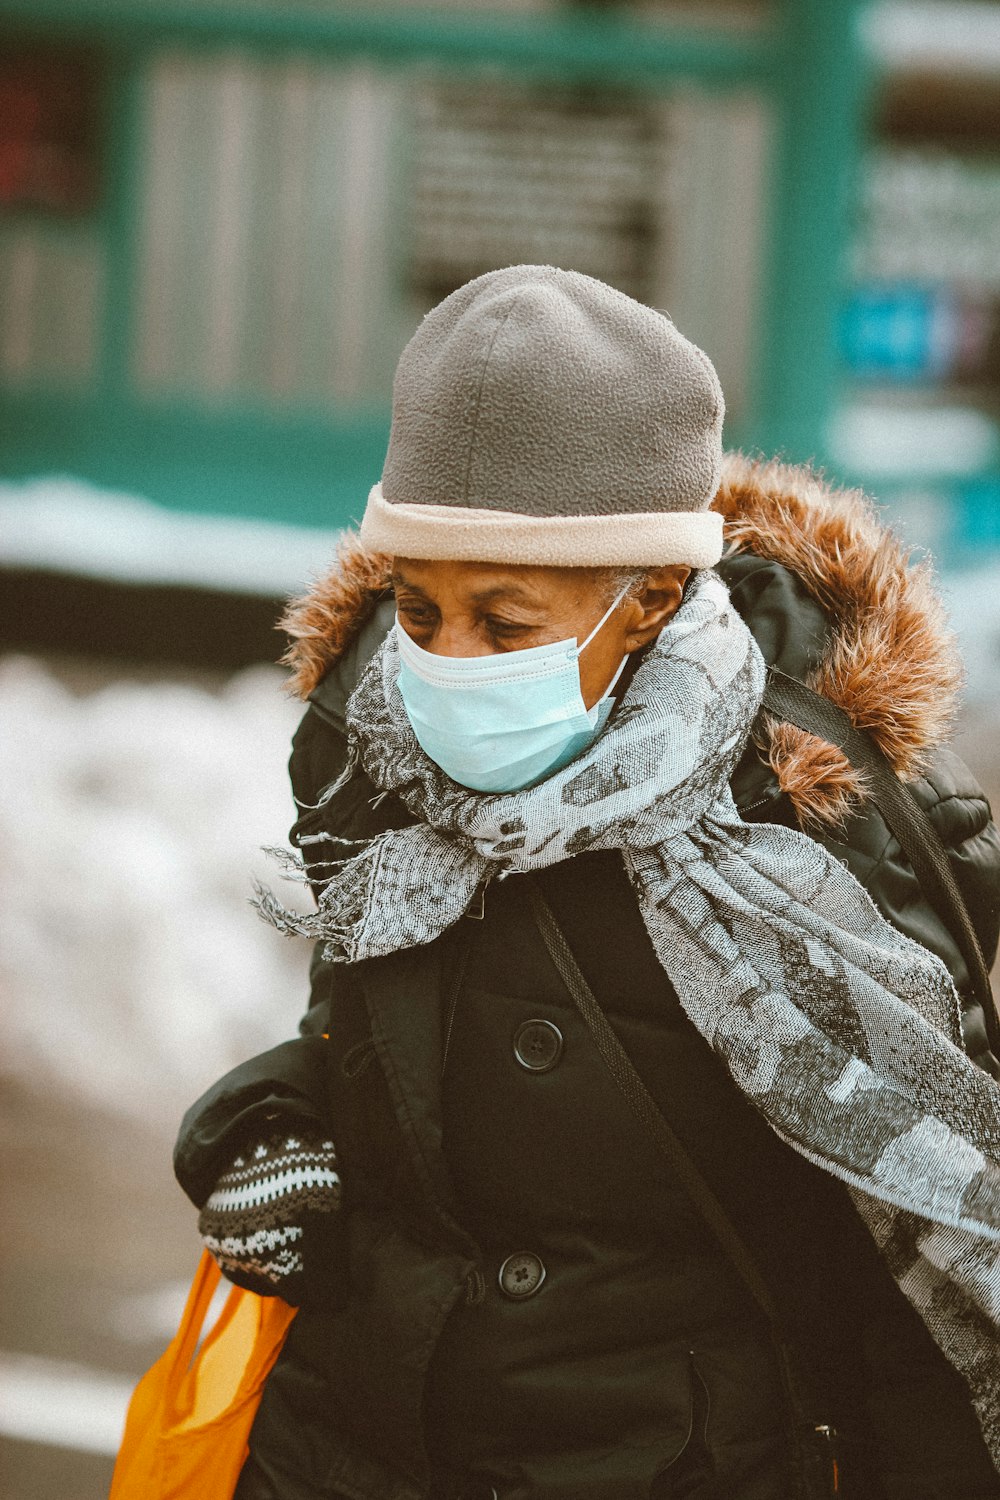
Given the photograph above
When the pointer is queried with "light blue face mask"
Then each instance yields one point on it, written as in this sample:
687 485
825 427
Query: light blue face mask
500 723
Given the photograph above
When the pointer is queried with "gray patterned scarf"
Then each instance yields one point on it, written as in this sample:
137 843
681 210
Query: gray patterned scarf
844 1033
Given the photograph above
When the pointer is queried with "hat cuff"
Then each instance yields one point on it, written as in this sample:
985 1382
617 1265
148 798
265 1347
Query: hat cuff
459 533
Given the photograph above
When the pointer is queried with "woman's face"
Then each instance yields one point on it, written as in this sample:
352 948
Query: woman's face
478 609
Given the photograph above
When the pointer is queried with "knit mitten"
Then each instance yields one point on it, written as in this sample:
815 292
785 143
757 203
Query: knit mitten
254 1221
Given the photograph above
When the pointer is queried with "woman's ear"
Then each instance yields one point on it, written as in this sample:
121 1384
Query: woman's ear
658 598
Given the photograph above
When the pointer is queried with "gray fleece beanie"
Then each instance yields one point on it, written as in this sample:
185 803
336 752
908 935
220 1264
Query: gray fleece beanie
540 416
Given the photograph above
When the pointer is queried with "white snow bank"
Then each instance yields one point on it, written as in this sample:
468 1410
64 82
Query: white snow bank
133 968
73 527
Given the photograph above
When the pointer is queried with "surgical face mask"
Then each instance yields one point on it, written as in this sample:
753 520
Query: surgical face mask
500 723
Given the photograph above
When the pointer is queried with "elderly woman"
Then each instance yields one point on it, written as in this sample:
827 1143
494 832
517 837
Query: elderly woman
627 1149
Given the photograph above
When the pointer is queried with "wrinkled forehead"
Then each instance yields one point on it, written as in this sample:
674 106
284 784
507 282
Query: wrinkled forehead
482 582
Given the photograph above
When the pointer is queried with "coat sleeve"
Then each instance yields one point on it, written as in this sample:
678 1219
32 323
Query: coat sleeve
286 1087
282 1087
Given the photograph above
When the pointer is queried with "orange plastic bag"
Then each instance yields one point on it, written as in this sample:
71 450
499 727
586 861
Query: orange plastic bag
190 1415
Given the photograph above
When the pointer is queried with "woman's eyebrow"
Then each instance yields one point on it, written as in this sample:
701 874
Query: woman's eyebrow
398 581
513 591
516 592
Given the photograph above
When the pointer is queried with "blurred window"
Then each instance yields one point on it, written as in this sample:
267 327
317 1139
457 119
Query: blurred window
49 130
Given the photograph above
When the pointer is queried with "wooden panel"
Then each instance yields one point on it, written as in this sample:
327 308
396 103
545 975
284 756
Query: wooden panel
716 212
49 304
265 264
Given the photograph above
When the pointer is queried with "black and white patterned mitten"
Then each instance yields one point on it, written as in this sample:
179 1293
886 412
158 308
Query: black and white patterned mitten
254 1221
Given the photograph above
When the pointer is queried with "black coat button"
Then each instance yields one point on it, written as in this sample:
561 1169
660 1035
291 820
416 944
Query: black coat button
521 1275
538 1045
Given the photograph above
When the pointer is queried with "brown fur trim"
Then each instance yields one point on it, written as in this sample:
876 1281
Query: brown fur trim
817 778
324 622
892 663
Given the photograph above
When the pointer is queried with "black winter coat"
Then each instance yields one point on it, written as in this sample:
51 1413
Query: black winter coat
637 1366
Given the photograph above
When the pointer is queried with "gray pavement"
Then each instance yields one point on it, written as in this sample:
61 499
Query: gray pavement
96 1241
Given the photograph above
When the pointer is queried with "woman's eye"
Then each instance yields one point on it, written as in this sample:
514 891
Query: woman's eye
415 614
503 630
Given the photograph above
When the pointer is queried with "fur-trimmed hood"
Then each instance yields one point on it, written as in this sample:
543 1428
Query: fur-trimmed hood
891 660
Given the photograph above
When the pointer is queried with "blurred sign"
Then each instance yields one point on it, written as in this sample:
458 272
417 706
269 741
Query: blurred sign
506 172
49 129
916 333
930 217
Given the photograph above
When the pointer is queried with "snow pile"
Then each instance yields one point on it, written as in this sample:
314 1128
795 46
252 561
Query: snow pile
71 526
134 970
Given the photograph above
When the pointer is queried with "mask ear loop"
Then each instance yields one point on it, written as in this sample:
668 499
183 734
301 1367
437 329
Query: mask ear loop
578 651
614 681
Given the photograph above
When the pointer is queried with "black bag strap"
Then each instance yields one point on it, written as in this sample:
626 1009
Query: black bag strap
644 1106
819 1472
790 700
